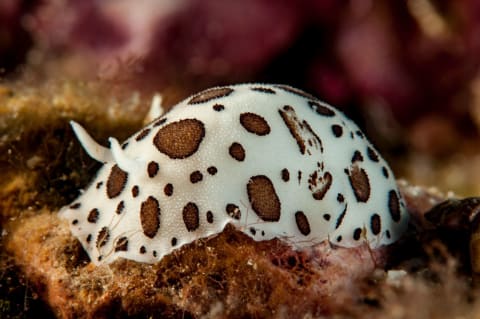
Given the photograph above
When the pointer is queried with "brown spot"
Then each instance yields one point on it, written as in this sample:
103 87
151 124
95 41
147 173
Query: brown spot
320 186
142 134
99 184
75 221
152 169
116 181
394 205
360 184
321 109
326 217
102 237
75 206
160 122
313 140
285 175
135 191
196 177
340 198
210 94
375 224
233 211
263 198
209 217
337 130
237 152
93 216
340 218
124 145
372 155
120 207
180 139
263 90
191 217
292 127
218 107
359 134
173 241
296 91
357 157
302 223
254 123
385 172
121 244
301 131
150 216
357 233
168 189
89 238
212 170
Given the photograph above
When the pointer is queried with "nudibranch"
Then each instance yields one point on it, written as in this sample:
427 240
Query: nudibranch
272 160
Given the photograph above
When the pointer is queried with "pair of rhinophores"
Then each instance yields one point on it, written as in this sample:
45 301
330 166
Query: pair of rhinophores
272 160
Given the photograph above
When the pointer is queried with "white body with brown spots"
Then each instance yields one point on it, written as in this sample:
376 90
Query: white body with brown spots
270 159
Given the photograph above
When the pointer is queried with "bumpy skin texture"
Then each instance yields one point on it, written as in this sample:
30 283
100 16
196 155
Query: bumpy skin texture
272 160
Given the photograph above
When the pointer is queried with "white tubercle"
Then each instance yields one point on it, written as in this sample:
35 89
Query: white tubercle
121 158
156 109
95 150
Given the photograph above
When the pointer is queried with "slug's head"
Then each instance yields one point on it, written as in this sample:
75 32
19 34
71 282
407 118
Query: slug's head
95 216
